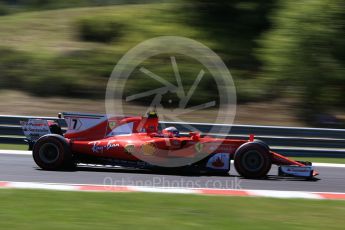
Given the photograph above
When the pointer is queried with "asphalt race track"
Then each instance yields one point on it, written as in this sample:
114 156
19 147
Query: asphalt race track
21 168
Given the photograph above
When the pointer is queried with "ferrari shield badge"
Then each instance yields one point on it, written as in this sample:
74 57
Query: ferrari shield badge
198 147
112 124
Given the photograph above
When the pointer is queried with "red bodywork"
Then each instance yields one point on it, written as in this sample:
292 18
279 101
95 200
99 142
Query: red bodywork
95 142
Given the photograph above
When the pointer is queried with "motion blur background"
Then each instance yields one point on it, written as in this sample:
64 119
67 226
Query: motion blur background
287 57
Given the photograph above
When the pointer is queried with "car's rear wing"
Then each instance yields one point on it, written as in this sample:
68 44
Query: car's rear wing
88 126
35 128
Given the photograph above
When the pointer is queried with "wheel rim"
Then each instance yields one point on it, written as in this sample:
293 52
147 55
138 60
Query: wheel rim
252 161
49 153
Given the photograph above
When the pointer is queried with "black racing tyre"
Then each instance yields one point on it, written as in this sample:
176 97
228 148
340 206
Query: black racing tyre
52 152
252 160
262 143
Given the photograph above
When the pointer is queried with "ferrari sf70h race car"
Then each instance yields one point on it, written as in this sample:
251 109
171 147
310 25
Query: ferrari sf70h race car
137 142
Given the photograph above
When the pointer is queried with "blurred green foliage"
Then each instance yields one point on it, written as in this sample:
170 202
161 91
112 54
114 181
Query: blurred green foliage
14 6
234 27
48 76
274 48
303 54
14 67
4 9
280 48
99 29
161 65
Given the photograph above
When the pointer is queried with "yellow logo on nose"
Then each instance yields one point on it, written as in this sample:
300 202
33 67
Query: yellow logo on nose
148 149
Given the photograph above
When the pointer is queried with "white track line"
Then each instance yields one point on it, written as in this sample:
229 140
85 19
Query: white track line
332 165
15 152
33 185
196 191
284 194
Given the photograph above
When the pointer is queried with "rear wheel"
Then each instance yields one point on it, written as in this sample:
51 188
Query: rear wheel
52 152
252 160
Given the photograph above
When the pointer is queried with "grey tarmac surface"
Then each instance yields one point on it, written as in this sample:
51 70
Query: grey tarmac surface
22 168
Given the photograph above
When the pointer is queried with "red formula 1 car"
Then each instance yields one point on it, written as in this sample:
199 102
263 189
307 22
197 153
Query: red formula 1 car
138 142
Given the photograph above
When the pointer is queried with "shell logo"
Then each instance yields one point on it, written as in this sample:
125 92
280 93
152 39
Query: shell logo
148 149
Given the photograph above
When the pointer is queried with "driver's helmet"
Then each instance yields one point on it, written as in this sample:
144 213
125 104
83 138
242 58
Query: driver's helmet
172 131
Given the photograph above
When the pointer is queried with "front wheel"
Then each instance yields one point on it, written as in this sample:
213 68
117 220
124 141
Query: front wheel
52 152
252 160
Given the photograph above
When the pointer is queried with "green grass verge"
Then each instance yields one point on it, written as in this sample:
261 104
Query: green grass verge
13 147
82 68
30 209
321 159
34 31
